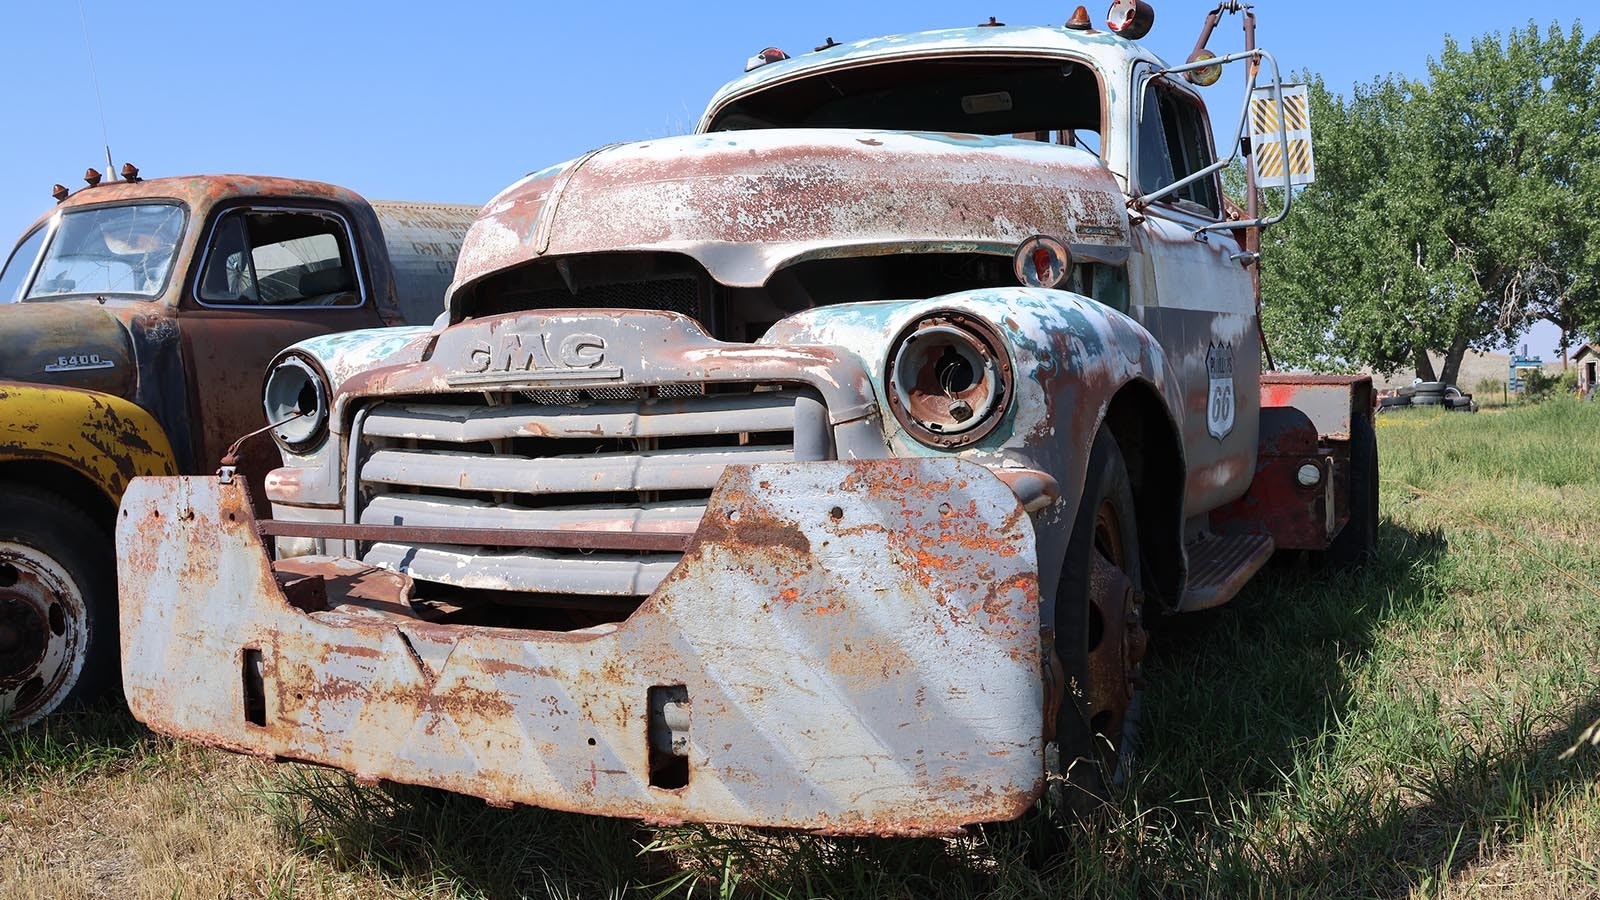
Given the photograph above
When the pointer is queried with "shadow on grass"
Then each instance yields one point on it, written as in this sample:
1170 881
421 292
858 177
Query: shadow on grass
1469 805
418 839
66 746
1250 713
1241 694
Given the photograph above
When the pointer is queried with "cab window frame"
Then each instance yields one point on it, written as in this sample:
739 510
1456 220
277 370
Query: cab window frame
1148 87
349 236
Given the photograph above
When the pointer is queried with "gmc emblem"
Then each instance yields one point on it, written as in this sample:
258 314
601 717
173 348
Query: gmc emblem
536 357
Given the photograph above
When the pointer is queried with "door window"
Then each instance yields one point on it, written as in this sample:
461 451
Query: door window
280 257
1174 144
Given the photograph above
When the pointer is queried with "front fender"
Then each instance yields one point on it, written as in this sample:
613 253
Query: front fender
106 439
348 352
1071 358
312 478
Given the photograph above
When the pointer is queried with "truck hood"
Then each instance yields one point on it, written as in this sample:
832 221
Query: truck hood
73 343
746 203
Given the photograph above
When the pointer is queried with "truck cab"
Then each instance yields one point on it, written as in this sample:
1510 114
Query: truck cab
136 318
815 470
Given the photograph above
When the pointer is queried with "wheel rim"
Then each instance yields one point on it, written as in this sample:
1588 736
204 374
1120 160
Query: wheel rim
43 624
1115 638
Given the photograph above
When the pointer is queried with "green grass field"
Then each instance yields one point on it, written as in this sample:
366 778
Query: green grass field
1393 732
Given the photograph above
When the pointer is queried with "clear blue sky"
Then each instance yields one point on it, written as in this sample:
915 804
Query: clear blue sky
453 101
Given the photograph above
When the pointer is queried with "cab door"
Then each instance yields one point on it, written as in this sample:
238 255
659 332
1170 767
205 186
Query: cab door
267 276
1198 300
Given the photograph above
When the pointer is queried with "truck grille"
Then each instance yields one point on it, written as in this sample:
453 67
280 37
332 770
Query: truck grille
625 460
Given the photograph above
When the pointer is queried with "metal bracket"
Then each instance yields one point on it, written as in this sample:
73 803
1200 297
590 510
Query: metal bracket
225 474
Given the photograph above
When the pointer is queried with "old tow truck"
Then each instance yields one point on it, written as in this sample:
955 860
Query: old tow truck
136 318
814 470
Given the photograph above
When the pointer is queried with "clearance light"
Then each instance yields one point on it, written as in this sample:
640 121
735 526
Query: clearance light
1080 20
1131 19
91 177
1042 262
765 57
1207 76
59 192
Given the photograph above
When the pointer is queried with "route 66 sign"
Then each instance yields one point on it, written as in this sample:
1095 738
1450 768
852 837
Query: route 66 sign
1220 403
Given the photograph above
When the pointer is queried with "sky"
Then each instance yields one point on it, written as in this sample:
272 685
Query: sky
451 102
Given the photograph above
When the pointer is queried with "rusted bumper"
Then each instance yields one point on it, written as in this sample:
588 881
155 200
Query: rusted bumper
846 648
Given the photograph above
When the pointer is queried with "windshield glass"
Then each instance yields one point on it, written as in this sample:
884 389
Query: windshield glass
15 276
966 95
111 250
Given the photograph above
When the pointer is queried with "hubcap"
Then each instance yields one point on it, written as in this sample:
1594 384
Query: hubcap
43 627
24 636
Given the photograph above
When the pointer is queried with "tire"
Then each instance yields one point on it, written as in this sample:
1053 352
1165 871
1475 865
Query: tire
58 626
1357 543
1100 639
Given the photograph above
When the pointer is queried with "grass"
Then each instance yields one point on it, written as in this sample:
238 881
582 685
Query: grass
1388 733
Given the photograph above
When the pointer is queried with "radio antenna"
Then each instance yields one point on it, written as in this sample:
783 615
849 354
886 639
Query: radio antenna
94 78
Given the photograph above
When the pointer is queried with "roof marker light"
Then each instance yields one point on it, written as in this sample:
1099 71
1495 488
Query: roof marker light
831 43
59 192
1207 76
992 23
1131 19
1080 20
765 57
91 177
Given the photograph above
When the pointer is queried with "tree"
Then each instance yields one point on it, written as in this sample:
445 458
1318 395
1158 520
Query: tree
1449 214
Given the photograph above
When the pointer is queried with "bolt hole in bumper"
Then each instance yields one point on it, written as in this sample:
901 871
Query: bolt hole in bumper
846 647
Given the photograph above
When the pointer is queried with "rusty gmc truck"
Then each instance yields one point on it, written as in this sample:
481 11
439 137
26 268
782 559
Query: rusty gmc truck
136 318
817 470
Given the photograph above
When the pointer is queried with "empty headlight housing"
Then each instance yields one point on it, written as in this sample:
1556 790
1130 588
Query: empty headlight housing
295 398
949 379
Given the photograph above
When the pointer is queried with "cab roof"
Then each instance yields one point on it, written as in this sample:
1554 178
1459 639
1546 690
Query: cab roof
199 191
1106 50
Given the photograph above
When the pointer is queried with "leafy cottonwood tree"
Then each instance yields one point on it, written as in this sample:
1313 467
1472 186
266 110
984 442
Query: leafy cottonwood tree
1449 213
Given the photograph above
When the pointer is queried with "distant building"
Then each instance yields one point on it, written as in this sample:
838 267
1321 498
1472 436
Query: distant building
1587 359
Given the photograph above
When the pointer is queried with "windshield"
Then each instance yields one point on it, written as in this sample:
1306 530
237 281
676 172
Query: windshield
110 250
966 95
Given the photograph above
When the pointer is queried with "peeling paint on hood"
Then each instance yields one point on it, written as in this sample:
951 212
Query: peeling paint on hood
745 204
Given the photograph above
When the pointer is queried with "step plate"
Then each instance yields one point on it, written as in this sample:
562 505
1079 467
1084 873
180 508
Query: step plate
1220 566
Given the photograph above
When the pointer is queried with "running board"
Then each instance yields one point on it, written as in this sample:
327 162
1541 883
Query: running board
1220 566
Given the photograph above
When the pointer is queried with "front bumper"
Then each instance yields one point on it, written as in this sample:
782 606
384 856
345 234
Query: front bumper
858 643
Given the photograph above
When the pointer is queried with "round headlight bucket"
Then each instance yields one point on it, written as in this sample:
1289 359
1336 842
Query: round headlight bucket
296 399
949 379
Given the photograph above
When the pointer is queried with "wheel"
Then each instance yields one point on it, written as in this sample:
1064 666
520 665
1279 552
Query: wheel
1100 637
1357 543
58 641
